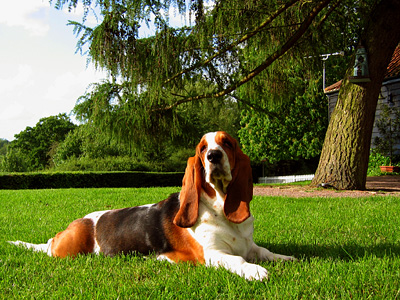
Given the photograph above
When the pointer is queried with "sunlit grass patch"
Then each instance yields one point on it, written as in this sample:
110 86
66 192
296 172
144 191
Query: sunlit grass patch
347 248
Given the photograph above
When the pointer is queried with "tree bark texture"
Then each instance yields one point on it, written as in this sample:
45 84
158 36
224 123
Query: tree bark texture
344 158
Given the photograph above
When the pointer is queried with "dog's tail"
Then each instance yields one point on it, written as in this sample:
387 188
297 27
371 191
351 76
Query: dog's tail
46 248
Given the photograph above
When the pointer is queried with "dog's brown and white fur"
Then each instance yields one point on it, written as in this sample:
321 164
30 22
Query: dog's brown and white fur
208 222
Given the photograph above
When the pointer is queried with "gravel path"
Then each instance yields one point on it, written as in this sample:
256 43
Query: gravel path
380 185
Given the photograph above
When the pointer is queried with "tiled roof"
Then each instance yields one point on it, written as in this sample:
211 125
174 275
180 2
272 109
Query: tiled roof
334 87
393 70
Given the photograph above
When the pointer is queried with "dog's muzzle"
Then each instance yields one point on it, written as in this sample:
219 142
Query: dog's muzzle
218 175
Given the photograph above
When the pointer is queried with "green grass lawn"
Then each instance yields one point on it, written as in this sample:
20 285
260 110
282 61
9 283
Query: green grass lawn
347 248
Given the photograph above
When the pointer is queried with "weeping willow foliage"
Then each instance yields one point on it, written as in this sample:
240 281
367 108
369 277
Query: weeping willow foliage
231 48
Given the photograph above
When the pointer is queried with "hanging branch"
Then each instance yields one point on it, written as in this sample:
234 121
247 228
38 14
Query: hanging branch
278 53
238 41
256 107
330 11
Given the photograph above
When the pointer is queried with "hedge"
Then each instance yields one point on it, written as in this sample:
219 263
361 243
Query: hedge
89 180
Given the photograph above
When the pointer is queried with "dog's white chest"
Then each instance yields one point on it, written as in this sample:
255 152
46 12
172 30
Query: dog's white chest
214 231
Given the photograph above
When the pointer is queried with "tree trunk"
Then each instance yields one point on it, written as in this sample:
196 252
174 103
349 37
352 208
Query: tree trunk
345 153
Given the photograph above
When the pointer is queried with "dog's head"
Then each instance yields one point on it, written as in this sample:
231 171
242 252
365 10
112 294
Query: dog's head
219 166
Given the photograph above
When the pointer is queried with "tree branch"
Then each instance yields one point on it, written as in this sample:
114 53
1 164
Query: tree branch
330 11
238 41
256 107
278 53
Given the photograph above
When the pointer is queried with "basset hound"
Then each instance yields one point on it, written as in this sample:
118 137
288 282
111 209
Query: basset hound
208 222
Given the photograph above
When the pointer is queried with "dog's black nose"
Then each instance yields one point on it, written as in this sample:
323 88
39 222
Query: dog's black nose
214 156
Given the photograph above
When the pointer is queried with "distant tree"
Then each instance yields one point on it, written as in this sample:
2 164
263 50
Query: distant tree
15 161
3 146
36 143
89 141
293 130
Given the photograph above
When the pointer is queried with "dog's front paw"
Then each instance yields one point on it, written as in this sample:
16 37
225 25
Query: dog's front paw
254 272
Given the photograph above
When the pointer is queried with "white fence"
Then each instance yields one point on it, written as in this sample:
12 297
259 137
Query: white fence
285 179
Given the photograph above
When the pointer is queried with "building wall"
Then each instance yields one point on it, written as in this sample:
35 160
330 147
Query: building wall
391 96
390 89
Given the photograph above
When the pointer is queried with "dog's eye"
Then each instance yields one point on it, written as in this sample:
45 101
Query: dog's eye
228 144
203 148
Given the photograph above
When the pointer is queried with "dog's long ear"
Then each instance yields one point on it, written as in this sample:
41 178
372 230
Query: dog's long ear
190 194
240 190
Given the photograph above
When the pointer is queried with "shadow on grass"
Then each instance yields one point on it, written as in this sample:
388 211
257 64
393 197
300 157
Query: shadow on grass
347 252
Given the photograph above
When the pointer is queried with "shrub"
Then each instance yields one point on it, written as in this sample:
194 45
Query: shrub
14 161
119 163
175 163
376 159
89 180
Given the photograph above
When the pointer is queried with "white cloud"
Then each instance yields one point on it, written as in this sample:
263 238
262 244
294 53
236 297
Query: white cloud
28 96
16 92
22 78
14 112
20 13
69 86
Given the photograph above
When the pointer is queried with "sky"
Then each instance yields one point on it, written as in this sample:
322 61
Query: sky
40 73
